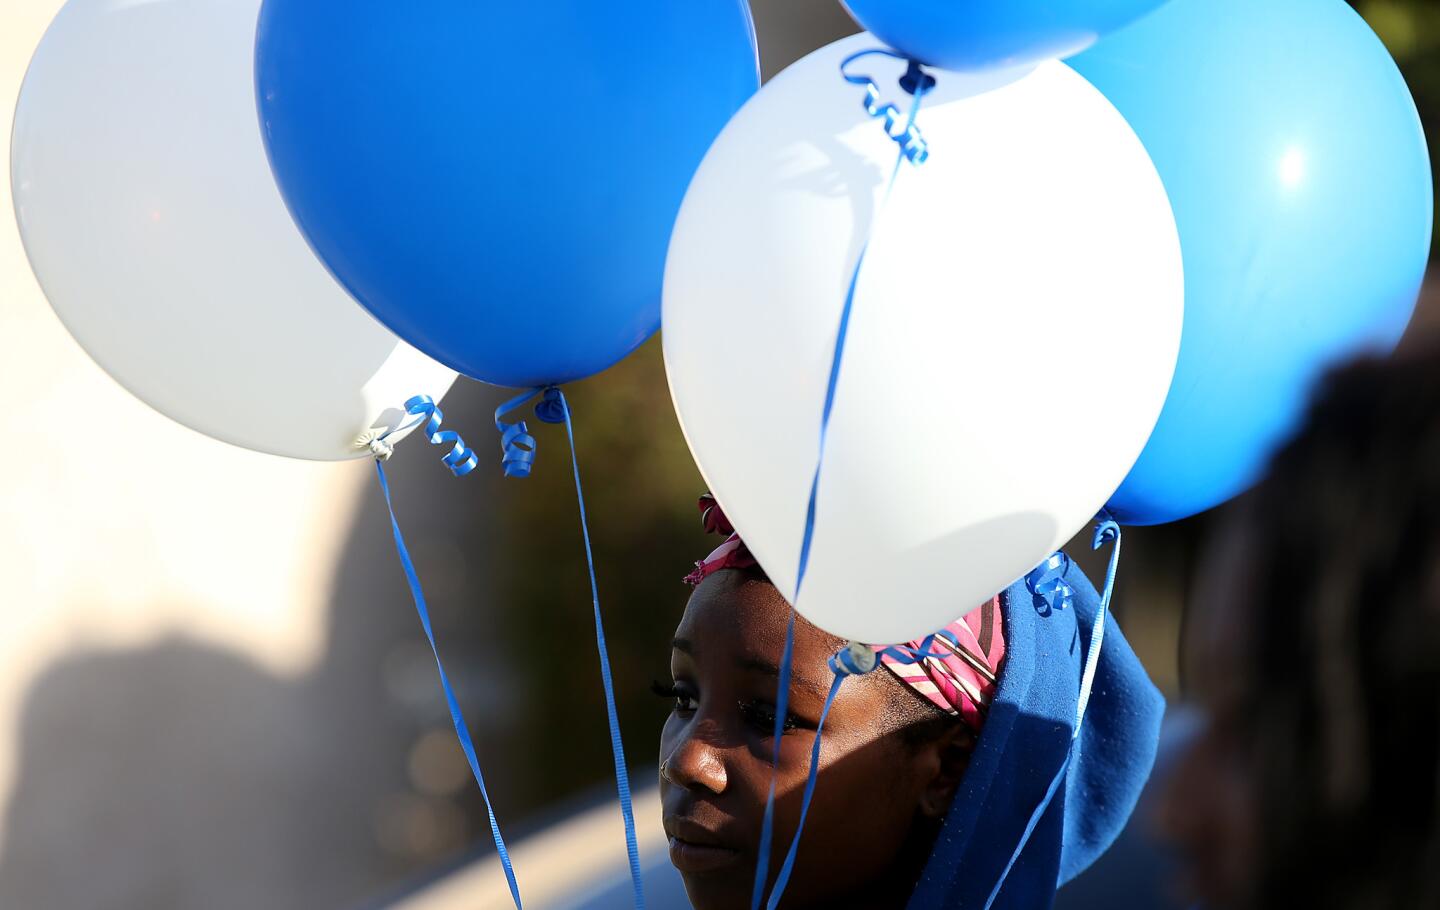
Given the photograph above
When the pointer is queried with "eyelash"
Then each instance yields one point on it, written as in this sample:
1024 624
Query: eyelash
760 715
676 694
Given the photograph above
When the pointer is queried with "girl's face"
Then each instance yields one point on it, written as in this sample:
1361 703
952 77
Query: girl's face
879 798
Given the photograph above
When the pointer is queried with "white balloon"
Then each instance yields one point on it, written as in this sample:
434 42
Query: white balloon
1014 332
151 218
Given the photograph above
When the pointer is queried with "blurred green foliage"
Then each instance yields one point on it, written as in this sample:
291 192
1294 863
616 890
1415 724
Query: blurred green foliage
1411 30
640 490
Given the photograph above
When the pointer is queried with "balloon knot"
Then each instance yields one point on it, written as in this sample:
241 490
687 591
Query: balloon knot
375 440
916 81
517 446
855 659
1106 530
551 406
381 448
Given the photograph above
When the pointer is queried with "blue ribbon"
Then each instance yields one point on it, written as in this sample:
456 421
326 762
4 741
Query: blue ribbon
767 826
1048 587
518 448
914 149
898 127
460 459
783 878
1106 531
855 659
462 731
518 456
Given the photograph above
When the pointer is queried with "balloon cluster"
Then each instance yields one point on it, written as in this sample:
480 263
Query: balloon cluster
1050 289
494 182
1111 283
1107 282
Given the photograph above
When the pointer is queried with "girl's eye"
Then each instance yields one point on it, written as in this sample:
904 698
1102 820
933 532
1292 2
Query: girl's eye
685 701
761 716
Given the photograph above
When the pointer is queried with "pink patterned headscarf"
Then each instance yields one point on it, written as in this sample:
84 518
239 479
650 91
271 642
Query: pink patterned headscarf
956 671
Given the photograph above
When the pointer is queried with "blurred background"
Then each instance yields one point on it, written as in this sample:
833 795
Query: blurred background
213 688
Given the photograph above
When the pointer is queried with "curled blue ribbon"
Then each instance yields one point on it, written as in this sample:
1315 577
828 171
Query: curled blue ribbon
907 655
517 446
898 126
460 459
1047 585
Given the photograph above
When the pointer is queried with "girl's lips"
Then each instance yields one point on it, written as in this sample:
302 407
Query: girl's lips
691 857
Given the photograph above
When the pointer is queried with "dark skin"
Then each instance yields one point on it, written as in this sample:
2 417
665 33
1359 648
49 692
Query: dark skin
889 767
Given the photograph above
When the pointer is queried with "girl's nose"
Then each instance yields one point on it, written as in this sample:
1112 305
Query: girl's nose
696 763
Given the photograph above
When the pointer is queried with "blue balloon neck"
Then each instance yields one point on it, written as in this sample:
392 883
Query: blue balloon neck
916 81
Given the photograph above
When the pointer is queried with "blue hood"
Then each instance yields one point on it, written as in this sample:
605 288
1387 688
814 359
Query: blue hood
1023 745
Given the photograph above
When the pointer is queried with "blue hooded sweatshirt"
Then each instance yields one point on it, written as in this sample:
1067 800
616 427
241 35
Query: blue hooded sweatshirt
1023 745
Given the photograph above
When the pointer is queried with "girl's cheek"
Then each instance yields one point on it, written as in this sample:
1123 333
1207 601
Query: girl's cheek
670 736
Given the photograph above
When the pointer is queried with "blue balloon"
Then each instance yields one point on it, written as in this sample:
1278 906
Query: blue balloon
496 181
971 35
1301 184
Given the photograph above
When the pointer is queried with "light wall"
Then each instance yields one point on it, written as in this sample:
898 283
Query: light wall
119 528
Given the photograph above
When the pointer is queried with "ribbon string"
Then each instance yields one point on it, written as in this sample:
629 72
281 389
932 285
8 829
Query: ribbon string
913 148
1106 531
855 659
767 825
518 457
783 877
462 731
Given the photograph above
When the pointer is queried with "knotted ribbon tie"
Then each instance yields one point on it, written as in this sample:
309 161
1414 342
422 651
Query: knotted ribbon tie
898 127
1048 588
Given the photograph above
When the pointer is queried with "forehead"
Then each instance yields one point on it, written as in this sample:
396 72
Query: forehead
733 609
733 632
737 622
